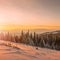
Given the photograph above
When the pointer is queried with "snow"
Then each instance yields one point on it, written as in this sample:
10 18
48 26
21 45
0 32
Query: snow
15 51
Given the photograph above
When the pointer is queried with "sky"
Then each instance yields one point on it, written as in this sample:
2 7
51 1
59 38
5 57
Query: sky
30 12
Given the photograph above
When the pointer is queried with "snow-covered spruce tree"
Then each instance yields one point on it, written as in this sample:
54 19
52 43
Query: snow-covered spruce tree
34 39
16 39
28 39
22 37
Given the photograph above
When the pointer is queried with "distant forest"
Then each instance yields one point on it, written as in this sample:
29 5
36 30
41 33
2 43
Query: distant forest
49 40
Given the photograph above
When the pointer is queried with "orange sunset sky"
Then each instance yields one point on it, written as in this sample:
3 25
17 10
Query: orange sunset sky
29 14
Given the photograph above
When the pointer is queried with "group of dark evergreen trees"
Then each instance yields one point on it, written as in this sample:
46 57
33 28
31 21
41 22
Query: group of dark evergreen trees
47 40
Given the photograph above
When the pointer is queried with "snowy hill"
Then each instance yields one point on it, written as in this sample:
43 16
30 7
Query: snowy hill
15 51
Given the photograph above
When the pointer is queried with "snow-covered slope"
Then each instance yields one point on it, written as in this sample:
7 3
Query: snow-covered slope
15 51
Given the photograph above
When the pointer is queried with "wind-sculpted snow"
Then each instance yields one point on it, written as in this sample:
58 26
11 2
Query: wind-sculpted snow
15 51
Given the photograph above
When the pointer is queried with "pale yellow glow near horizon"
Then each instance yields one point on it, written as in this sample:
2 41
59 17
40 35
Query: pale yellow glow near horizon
28 27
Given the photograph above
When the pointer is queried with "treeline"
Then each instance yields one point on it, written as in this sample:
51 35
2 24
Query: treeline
49 40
